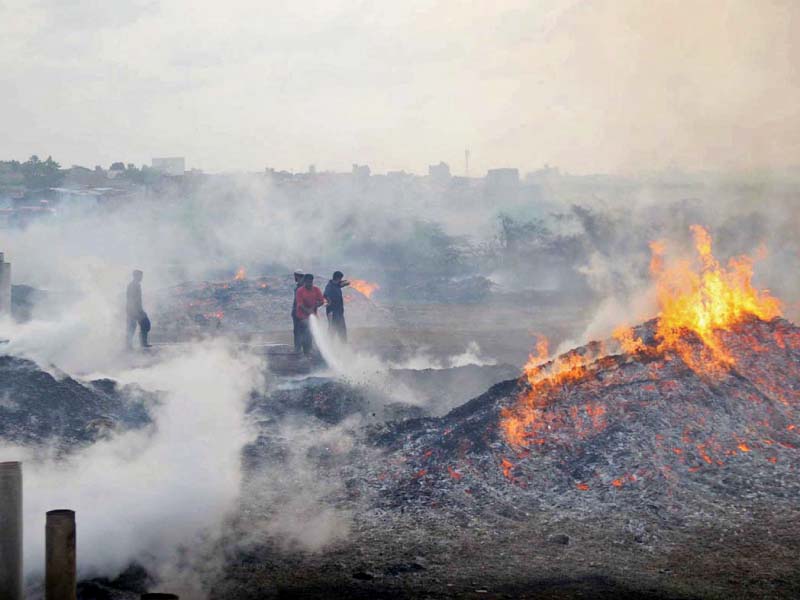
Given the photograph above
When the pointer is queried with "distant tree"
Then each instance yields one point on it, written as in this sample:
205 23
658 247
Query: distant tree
532 245
426 250
515 236
143 176
40 174
117 166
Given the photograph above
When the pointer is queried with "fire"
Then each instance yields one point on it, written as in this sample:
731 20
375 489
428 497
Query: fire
704 297
364 287
629 344
700 296
527 421
507 466
241 274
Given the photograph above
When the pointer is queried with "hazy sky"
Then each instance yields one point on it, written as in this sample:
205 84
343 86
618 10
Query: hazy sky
606 85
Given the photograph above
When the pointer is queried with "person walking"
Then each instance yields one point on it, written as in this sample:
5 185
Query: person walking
135 312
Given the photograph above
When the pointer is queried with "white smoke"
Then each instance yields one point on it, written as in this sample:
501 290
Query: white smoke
158 495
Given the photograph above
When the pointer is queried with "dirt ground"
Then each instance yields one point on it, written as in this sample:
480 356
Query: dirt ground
743 550
506 332
550 555
746 550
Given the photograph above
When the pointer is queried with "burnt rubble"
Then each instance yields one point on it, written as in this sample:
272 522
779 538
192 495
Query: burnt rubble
647 480
644 424
642 462
39 408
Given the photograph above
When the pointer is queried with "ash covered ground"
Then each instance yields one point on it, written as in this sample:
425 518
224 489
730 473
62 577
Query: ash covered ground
646 479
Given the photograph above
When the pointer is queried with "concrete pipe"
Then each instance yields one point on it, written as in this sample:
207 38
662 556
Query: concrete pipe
59 570
158 596
5 286
11 530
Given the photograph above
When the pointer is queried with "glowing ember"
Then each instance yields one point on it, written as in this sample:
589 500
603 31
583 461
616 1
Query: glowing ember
507 465
241 274
364 287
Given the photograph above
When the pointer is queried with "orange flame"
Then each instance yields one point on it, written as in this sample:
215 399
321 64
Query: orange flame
706 297
624 335
364 287
702 297
526 422
241 274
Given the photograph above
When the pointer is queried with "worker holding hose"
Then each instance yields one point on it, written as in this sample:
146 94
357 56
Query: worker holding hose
308 299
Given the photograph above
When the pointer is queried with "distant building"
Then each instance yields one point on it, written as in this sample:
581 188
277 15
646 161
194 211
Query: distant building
116 170
361 171
278 176
497 179
546 174
439 173
170 166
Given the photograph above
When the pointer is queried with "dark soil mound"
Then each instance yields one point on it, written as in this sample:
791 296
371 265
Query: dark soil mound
37 408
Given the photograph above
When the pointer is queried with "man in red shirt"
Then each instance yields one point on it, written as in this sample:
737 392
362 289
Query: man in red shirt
308 299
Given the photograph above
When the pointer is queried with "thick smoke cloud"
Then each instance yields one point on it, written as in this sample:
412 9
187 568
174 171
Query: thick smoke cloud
159 496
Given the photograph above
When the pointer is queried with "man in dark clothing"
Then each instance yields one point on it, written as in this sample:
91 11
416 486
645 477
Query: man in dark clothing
298 282
335 307
308 298
135 312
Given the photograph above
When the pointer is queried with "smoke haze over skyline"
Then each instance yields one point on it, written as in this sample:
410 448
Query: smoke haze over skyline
589 86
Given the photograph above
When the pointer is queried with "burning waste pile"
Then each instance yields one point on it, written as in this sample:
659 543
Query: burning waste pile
656 447
702 401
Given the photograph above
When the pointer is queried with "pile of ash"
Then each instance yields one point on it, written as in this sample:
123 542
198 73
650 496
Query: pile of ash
645 427
37 407
326 402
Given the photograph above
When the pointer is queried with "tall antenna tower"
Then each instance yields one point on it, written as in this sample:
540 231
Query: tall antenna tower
466 162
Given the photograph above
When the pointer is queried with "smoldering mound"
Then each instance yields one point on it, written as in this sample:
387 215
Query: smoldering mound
640 458
38 408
